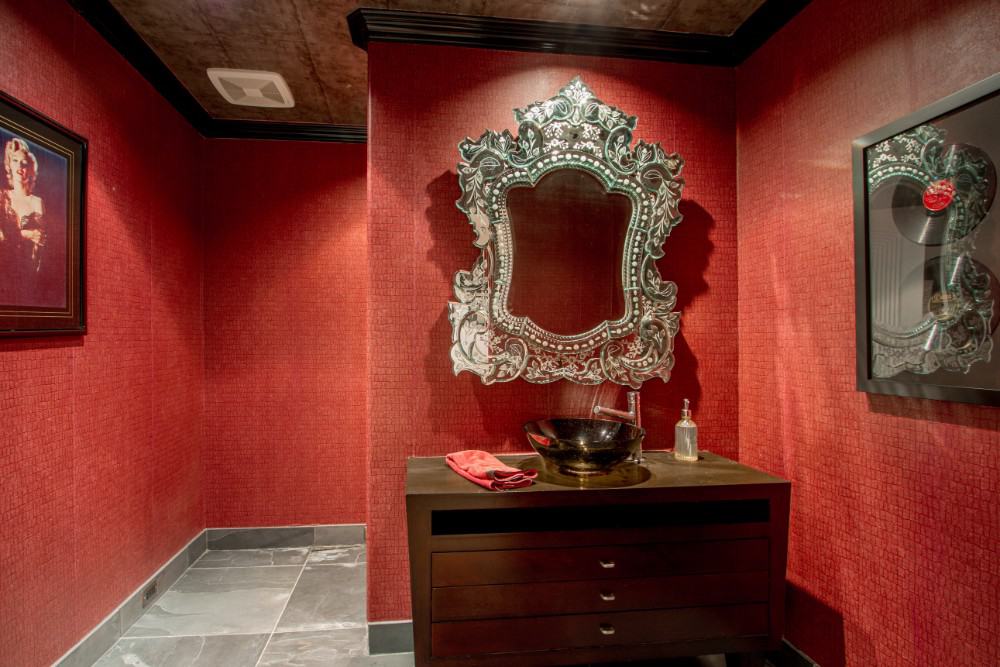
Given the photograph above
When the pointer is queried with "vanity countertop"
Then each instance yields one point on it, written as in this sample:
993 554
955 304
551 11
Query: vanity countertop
425 476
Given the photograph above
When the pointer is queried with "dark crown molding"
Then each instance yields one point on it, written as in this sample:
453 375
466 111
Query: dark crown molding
486 32
252 129
104 18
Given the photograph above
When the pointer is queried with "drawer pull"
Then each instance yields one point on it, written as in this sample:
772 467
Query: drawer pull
607 629
607 597
607 564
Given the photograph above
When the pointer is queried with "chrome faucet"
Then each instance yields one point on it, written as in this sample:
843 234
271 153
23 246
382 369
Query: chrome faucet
633 416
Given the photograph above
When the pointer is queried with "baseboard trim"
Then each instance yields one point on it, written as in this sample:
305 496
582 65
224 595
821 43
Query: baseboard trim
390 637
277 537
97 642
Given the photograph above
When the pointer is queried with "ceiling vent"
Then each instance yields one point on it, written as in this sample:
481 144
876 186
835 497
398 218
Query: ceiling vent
250 88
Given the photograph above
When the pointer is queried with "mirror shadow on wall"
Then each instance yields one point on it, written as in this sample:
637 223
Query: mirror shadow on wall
688 253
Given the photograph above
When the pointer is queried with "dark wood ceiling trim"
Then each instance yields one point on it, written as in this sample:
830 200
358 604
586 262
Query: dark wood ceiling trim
104 18
386 25
252 129
488 32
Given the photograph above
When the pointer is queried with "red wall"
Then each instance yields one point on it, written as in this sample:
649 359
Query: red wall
895 533
285 319
423 101
100 435
894 557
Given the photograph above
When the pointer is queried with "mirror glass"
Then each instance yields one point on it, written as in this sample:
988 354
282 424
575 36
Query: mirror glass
568 237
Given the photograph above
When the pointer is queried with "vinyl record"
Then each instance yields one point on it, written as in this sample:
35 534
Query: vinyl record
947 208
944 297
910 215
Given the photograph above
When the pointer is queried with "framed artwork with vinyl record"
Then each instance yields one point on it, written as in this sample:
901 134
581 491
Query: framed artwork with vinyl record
927 251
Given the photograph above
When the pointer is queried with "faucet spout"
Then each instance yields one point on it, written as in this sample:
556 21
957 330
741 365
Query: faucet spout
618 414
633 416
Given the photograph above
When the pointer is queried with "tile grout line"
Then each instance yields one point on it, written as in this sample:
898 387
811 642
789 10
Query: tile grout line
247 567
204 634
284 607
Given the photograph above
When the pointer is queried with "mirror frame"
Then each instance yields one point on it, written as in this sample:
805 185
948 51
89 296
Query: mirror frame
572 130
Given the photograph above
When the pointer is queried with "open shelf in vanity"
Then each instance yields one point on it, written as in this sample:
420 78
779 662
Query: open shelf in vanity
687 562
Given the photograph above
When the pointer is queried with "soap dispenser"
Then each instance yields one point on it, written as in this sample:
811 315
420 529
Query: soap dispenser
686 436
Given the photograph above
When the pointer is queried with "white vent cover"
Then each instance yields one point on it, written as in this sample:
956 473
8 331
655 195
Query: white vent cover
250 88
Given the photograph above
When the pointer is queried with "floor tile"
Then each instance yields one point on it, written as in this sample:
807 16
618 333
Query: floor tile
245 600
220 651
350 554
252 557
327 597
313 649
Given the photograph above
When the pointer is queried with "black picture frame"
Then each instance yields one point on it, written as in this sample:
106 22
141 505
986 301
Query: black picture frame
42 289
957 103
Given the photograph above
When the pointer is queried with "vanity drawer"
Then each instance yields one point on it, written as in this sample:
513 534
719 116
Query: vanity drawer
472 568
578 597
583 630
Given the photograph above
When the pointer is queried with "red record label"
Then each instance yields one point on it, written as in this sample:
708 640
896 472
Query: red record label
939 195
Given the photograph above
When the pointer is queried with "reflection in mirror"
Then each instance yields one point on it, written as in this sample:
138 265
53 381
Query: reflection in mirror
568 235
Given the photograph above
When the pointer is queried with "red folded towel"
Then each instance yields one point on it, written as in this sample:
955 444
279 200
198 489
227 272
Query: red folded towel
488 471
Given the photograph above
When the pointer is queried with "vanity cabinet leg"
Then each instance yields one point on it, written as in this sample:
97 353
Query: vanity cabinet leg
755 659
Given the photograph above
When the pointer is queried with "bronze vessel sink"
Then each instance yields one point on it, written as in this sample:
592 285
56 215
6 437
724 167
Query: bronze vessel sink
583 446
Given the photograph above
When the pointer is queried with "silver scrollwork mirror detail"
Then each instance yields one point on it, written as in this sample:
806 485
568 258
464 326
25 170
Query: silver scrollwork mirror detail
572 131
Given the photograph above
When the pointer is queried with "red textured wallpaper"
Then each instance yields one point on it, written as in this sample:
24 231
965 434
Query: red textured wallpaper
100 436
423 101
895 529
285 319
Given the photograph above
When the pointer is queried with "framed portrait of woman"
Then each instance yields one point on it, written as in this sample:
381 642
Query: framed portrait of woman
41 224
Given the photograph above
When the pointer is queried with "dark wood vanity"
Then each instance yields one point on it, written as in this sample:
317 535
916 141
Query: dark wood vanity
687 559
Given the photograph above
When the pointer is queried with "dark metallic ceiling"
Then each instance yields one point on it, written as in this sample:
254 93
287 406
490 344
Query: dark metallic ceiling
307 41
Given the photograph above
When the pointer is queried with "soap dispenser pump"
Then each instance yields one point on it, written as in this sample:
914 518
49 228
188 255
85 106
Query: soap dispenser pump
686 436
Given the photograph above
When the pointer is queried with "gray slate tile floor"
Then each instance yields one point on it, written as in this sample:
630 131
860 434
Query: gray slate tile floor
291 607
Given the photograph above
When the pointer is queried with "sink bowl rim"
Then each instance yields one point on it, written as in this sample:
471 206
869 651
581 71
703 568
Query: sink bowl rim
641 430
591 456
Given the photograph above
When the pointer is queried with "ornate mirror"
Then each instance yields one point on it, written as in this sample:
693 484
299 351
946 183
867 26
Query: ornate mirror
570 220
